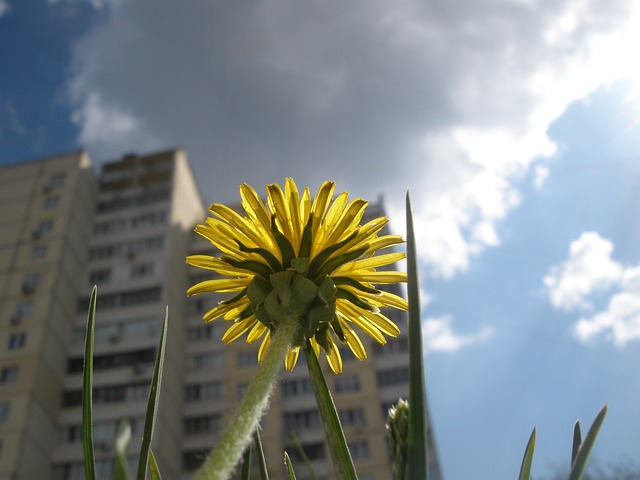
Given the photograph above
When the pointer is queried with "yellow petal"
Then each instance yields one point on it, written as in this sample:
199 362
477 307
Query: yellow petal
254 207
252 230
367 276
333 355
351 314
263 346
237 329
291 358
223 308
349 220
293 207
278 206
222 285
256 332
384 242
320 204
353 340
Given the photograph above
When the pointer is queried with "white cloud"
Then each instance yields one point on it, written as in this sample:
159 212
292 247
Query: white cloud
5 8
588 270
540 175
452 100
439 336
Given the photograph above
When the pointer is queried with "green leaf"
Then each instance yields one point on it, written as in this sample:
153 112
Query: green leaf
152 404
525 468
287 462
340 456
121 443
304 456
585 449
87 392
153 467
262 463
418 443
577 441
246 464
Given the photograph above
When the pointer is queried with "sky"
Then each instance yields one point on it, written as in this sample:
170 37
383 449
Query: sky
514 124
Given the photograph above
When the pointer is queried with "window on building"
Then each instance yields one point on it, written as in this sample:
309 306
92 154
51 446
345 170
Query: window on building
57 179
5 408
352 417
192 459
51 202
38 252
17 341
313 451
299 386
205 361
400 344
346 383
359 449
302 420
100 276
393 376
8 375
45 226
142 269
30 283
204 332
23 310
203 391
246 359
201 424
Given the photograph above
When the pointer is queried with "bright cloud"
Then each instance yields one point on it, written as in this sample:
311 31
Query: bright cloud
5 8
439 336
450 99
588 270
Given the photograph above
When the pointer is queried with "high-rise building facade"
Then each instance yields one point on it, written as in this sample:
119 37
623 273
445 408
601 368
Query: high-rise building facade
45 209
128 232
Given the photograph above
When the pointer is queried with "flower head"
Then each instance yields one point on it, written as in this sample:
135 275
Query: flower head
304 260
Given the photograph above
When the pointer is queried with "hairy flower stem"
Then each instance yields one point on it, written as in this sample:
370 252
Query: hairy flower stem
238 434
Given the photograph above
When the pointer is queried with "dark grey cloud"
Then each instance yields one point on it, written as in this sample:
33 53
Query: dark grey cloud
377 95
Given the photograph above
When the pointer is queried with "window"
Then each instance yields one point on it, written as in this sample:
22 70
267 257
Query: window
38 252
352 417
51 202
313 451
204 332
5 408
359 449
102 275
204 391
302 420
30 283
301 386
141 270
246 359
202 424
17 340
136 359
393 376
57 180
24 309
347 384
8 375
192 459
400 344
205 360
45 226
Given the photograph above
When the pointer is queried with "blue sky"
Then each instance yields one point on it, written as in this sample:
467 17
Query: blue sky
514 123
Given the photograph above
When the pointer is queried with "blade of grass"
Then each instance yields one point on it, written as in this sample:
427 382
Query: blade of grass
287 462
246 464
418 449
304 456
340 456
577 441
262 463
121 443
527 460
585 449
153 467
152 404
87 392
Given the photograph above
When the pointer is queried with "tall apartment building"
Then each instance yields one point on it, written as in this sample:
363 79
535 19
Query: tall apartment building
128 233
45 208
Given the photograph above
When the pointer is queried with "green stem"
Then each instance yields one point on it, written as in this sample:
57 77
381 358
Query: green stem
234 440
340 456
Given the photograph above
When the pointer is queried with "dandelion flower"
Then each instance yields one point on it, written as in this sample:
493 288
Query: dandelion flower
303 260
